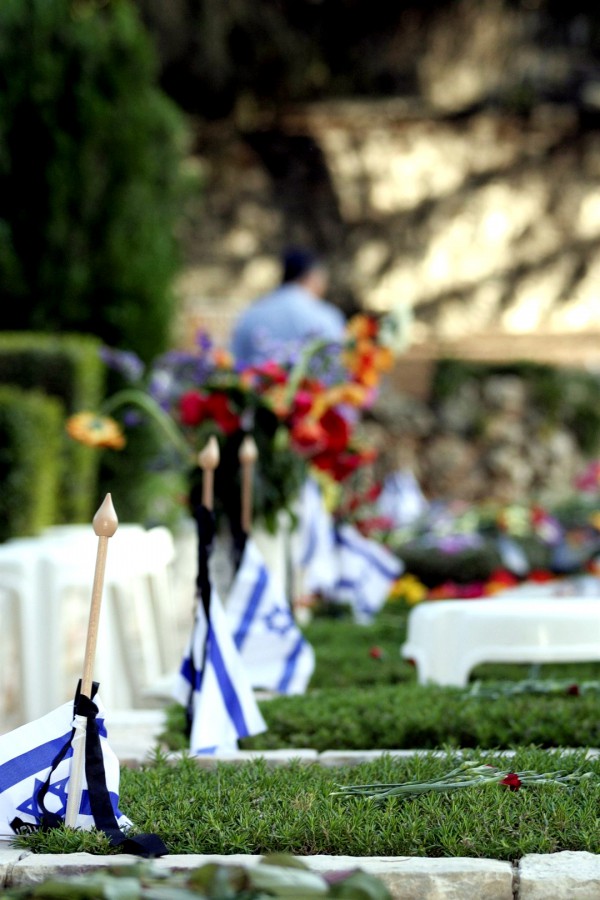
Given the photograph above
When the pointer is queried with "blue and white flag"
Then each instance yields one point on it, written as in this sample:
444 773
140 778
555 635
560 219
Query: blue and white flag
366 571
275 653
213 675
401 499
26 762
315 547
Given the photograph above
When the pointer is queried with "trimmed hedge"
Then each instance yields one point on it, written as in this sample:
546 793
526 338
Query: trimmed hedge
30 440
69 368
416 716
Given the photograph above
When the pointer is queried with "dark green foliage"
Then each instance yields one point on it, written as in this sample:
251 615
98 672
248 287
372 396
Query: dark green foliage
89 168
463 567
69 368
30 439
416 716
275 876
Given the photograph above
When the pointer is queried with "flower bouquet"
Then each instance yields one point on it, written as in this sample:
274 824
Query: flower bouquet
302 408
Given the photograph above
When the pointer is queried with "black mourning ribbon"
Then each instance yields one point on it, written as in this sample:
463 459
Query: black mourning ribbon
205 529
146 845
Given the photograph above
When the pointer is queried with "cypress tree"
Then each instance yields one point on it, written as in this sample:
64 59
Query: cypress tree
90 154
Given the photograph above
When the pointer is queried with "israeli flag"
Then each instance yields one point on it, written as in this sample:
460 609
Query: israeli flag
213 675
366 571
275 653
315 547
29 785
401 499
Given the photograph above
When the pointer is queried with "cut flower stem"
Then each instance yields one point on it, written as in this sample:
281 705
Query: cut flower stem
469 774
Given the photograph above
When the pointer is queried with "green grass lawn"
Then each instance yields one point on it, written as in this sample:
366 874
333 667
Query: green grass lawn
251 808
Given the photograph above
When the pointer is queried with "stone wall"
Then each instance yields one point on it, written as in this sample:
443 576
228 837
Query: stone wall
484 221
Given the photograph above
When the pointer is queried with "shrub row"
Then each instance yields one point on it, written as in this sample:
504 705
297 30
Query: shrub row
417 716
52 478
30 426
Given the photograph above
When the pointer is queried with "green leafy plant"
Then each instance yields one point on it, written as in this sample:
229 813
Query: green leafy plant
275 876
89 174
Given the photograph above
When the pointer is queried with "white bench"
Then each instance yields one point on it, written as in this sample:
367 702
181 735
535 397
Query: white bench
47 582
446 639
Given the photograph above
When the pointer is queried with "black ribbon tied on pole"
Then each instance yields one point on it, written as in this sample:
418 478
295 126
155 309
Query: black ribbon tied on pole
205 529
146 845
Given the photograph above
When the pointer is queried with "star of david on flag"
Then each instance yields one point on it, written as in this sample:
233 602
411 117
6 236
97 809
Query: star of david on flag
275 653
27 755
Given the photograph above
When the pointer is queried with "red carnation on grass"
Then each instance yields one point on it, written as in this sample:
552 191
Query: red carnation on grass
512 781
376 653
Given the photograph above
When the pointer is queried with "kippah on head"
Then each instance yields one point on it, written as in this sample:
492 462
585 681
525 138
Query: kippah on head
297 261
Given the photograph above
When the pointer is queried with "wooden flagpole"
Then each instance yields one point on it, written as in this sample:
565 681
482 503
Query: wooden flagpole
208 460
247 456
104 523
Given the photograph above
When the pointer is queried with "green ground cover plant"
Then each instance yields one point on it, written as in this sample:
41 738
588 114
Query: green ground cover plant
417 716
252 808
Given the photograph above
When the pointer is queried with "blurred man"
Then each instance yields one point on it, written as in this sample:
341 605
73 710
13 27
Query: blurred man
293 312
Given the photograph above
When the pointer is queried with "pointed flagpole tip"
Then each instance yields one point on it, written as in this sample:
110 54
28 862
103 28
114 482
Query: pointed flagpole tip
105 522
209 457
248 452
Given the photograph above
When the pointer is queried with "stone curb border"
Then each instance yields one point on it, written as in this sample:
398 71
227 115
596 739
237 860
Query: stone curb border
326 758
568 875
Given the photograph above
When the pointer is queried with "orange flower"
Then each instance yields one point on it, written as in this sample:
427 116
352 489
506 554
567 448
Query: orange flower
95 431
362 326
276 397
222 358
352 394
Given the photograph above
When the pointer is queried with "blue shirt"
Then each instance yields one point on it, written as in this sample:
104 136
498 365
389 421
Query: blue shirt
288 314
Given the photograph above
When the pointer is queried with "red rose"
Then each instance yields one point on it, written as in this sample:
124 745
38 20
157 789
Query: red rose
340 465
192 407
573 690
337 431
308 436
271 370
218 408
302 404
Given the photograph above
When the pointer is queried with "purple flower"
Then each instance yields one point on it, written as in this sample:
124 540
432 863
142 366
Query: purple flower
124 361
